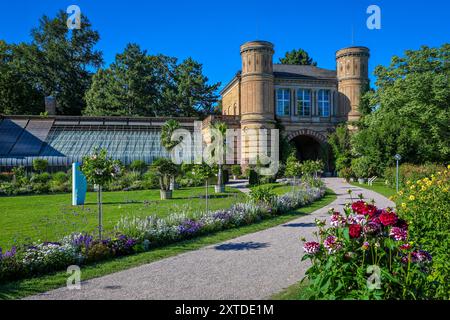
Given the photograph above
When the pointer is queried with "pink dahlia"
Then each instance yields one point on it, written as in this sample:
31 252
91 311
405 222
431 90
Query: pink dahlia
398 234
337 220
372 228
332 244
311 247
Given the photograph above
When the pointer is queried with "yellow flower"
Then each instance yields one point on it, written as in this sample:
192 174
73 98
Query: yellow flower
448 167
408 183
423 188
412 198
403 205
412 187
400 193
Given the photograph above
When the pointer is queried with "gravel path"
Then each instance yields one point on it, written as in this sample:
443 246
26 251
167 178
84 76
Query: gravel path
253 266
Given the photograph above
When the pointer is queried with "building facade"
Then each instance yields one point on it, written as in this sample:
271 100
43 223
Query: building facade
307 102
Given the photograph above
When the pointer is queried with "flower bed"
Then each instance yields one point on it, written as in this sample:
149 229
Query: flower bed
365 254
134 235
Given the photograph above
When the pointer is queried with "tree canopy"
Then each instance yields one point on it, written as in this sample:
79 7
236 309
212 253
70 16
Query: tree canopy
299 57
410 112
138 84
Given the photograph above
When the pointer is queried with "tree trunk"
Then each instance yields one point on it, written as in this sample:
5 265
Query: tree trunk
100 212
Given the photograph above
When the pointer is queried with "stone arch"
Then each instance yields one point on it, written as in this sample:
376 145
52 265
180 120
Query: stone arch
307 132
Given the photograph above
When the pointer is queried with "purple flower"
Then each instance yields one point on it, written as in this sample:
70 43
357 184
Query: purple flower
82 240
311 247
398 234
189 227
372 228
421 256
11 253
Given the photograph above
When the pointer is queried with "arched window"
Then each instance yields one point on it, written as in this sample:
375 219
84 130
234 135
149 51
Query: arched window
324 103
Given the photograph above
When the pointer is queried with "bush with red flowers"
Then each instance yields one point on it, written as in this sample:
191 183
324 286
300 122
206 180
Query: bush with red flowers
365 254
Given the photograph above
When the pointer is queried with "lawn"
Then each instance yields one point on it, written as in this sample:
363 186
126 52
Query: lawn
49 217
22 288
378 186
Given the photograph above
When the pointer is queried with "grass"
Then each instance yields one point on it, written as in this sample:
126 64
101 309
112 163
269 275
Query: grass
378 186
295 292
23 288
24 219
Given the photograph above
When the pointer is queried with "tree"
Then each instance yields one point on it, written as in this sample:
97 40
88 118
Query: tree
99 170
298 57
138 84
166 170
204 172
190 94
18 95
40 165
340 142
410 113
131 86
221 130
60 61
167 131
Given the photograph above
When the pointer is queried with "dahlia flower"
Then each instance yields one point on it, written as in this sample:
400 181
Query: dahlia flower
398 234
332 244
311 247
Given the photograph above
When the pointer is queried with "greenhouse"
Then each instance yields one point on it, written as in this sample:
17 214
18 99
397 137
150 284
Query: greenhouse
64 140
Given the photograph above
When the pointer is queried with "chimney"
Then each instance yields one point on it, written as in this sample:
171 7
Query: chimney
50 105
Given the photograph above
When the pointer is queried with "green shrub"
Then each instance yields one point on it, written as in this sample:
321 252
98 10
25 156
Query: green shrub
346 173
236 170
426 204
60 177
40 165
253 177
410 172
262 194
41 178
150 180
362 167
138 165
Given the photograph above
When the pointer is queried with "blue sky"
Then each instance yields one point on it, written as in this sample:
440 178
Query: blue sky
212 31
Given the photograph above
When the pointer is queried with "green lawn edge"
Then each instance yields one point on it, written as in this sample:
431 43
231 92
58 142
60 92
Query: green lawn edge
27 287
378 187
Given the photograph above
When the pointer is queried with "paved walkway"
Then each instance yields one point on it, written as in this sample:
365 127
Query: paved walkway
253 266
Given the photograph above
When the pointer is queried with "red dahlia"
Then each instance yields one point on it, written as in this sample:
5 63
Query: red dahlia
355 231
388 218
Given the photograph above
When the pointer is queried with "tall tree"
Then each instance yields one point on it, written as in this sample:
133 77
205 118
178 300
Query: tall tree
132 85
298 57
17 93
411 113
60 61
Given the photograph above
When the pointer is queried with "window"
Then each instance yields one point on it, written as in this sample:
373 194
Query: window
283 102
303 103
324 103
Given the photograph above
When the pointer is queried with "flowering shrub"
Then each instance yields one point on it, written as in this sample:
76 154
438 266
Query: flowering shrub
365 254
425 203
136 234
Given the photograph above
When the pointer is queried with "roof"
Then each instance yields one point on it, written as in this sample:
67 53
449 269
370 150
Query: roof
62 140
303 72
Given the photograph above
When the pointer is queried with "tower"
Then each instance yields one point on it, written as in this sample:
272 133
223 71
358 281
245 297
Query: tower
257 94
352 66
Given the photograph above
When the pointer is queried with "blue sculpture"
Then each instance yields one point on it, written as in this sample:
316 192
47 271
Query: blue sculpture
79 185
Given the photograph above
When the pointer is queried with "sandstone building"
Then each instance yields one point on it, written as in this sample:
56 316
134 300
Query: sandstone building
306 101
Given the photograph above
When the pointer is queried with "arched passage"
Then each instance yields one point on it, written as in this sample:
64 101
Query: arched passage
311 145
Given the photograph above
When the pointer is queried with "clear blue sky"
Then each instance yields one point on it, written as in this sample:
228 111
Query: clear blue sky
212 31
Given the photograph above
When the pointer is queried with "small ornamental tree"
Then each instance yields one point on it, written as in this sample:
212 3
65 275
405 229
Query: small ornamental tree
236 170
166 170
293 167
204 172
99 169
167 131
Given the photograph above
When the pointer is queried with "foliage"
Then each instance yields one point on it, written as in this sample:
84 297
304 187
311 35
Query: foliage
312 167
203 171
99 169
165 169
365 254
262 194
426 204
362 167
138 84
138 165
340 142
346 173
253 177
410 172
40 165
293 166
167 131
298 57
410 113
236 170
